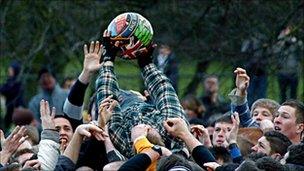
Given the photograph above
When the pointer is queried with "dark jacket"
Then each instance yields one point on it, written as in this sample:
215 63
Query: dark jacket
64 164
139 162
202 155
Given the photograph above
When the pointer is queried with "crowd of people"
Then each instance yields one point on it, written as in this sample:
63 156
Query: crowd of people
128 130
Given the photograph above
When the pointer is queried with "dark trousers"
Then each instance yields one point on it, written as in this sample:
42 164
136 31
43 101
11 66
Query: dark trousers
257 88
288 82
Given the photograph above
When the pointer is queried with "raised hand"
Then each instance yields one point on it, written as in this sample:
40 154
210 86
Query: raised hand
87 130
144 55
14 140
47 118
241 81
11 143
91 61
266 125
232 137
92 56
106 108
201 133
111 48
176 127
139 130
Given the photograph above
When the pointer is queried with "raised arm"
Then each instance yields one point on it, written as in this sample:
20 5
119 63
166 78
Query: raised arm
107 90
232 140
159 86
146 157
178 128
49 145
74 102
106 83
201 133
238 98
11 143
84 130
106 110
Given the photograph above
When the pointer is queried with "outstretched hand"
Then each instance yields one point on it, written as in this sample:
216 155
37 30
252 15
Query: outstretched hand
11 143
232 137
176 127
201 133
139 130
266 125
106 108
144 55
47 118
92 56
111 47
14 140
241 81
87 130
91 61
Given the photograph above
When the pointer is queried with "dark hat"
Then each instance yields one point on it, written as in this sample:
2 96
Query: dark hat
16 67
43 71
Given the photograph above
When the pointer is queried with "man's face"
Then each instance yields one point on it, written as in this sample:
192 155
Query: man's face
65 130
11 72
285 121
164 52
221 131
261 113
47 82
211 85
68 84
190 113
263 146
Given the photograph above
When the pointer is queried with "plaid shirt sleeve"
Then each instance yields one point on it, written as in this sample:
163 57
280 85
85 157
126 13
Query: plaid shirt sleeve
162 92
106 85
166 101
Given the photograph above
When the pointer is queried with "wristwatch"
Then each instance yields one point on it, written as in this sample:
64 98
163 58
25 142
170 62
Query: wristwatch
157 149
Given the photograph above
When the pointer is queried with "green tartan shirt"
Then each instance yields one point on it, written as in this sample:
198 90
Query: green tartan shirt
166 105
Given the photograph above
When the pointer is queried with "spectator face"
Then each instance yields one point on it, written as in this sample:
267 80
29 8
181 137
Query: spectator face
285 122
263 146
211 85
221 131
11 72
47 82
190 113
261 113
68 84
65 130
164 52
